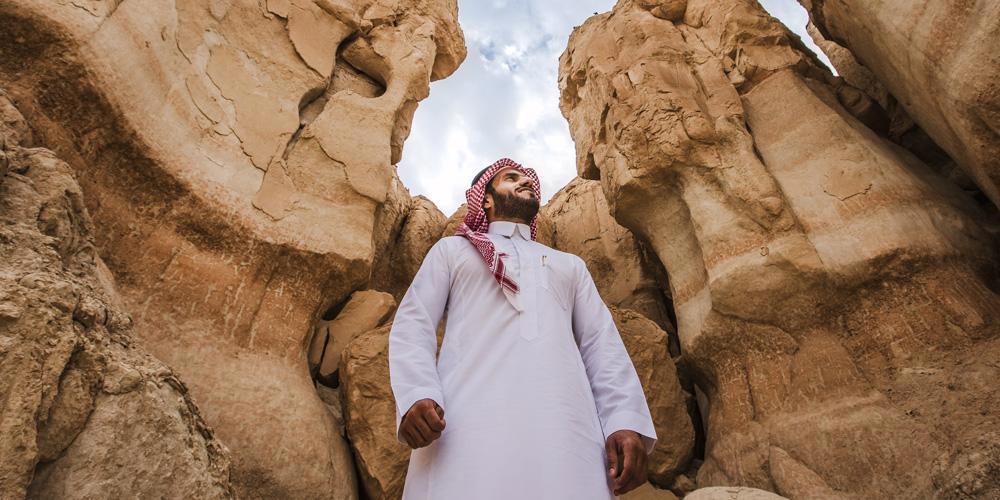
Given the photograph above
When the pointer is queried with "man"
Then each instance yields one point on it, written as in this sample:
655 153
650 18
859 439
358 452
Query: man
534 395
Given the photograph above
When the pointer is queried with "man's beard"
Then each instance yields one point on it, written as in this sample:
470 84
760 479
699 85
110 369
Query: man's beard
512 206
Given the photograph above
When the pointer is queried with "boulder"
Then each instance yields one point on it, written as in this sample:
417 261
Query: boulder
370 415
364 311
646 344
648 492
732 493
829 287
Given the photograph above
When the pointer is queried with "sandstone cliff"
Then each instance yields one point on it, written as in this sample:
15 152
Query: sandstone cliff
238 157
832 293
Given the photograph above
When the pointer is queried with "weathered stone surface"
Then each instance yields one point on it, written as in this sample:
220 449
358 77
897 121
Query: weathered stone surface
623 271
939 61
732 493
86 412
420 227
886 116
364 311
829 288
455 220
370 415
646 344
648 492
14 129
236 155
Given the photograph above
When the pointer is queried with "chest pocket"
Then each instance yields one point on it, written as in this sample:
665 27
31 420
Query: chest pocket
557 281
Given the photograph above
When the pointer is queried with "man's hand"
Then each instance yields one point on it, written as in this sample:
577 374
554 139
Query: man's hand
626 460
422 423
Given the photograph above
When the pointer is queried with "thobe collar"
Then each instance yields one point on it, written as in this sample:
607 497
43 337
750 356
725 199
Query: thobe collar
507 228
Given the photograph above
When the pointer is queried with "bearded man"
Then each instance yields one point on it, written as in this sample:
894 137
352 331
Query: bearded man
533 395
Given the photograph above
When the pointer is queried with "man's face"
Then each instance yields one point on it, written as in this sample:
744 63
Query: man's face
513 197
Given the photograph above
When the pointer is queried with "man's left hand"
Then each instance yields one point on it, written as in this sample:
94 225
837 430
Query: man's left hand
626 460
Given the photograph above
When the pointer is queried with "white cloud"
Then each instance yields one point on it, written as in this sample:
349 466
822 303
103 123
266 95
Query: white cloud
504 99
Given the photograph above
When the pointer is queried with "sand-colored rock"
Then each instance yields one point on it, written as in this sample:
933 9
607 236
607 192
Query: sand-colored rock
732 493
830 290
235 155
364 311
454 220
87 412
370 415
419 228
648 492
884 114
938 60
646 344
625 274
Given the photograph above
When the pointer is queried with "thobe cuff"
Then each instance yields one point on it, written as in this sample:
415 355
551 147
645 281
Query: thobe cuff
632 421
404 403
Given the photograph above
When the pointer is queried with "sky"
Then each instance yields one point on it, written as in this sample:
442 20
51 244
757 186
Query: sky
503 101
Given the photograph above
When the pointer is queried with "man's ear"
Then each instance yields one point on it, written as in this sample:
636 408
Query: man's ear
487 201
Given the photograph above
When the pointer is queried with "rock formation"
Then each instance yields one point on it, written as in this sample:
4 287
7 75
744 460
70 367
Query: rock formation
370 415
420 226
834 296
364 311
732 493
578 222
646 344
833 285
237 156
86 412
938 60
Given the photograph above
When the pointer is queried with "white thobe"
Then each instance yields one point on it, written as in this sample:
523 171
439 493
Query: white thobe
531 383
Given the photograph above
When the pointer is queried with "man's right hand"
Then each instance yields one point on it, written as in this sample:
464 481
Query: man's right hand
422 423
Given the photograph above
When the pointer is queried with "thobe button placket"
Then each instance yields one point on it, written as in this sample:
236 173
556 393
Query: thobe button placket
528 316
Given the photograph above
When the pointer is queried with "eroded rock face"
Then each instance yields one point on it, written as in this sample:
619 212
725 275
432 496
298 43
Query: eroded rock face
237 155
364 311
829 288
580 223
86 412
370 415
646 344
938 60
420 226
732 493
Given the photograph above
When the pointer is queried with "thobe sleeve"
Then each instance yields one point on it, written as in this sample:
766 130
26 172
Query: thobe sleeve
621 403
412 353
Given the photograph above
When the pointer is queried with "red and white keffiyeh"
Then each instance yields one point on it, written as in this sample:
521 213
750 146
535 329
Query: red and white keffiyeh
475 224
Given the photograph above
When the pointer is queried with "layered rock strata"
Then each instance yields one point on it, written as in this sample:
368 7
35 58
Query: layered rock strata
238 156
831 291
938 59
86 412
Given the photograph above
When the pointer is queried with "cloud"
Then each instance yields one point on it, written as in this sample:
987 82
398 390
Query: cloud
504 99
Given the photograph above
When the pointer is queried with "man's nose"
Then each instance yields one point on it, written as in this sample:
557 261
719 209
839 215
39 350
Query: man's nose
525 181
